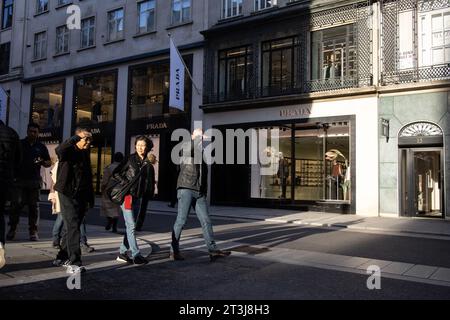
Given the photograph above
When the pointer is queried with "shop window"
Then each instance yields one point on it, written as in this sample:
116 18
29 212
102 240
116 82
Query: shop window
47 110
271 175
95 98
149 96
319 169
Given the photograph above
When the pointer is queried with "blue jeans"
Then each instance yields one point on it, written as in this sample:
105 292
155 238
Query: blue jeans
185 199
58 226
129 240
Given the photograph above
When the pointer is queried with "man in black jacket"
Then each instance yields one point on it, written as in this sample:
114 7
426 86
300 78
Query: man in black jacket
10 159
76 194
192 186
28 186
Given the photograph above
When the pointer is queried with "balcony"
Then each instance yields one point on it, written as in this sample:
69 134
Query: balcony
258 92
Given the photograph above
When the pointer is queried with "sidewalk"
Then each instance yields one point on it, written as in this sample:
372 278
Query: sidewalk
410 226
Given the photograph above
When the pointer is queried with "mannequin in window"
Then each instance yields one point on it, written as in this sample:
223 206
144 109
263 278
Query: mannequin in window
329 70
97 111
339 172
283 174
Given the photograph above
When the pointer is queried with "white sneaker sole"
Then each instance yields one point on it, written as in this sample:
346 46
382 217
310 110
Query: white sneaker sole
2 258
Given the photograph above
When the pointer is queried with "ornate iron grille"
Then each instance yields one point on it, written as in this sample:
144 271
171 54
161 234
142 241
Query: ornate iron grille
392 70
359 14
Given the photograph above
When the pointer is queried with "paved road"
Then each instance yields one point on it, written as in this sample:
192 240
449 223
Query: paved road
269 261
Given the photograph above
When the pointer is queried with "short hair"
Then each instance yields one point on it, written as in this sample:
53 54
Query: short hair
147 140
82 129
118 157
33 125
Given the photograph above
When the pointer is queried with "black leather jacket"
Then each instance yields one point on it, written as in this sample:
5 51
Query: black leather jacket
130 168
10 154
193 176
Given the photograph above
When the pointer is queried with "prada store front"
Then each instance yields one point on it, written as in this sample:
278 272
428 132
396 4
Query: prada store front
149 114
312 169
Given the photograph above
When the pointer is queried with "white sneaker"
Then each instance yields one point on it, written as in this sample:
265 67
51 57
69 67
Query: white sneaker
2 256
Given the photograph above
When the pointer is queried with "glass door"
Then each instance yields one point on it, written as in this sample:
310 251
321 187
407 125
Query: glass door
428 183
421 182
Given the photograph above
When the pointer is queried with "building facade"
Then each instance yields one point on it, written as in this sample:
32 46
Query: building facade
110 73
359 91
349 84
414 105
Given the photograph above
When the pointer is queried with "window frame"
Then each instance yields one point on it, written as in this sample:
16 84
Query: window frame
153 27
108 21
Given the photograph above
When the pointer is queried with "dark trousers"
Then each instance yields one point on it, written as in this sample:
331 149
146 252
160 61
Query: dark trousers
73 212
25 196
142 213
2 215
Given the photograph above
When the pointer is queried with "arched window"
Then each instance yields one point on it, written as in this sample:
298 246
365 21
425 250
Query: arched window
421 129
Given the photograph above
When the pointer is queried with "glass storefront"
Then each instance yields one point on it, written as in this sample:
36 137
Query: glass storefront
318 171
94 107
47 111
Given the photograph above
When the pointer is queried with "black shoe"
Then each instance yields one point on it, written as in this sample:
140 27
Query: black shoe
140 260
176 256
214 255
124 258
108 226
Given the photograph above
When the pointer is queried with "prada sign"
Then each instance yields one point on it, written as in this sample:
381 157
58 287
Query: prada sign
296 111
157 126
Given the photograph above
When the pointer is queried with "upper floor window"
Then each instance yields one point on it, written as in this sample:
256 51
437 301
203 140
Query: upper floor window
434 38
62 40
181 11
115 25
264 4
41 6
280 65
4 58
231 8
334 54
88 32
40 45
146 11
7 14
235 69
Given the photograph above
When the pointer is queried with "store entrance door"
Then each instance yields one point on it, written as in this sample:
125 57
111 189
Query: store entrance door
422 182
